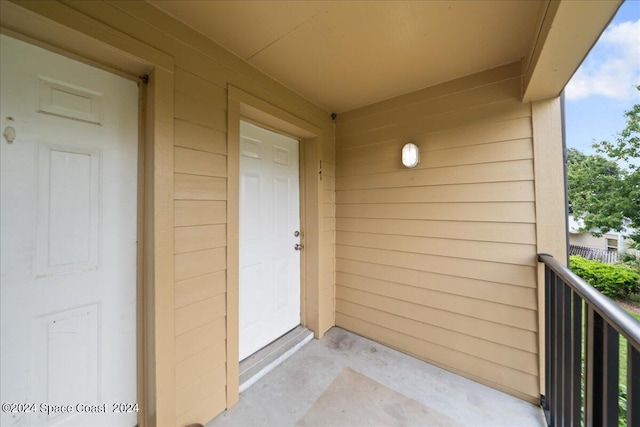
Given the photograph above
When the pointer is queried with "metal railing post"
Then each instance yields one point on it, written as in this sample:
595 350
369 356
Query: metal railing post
557 362
576 360
566 353
611 374
566 295
547 343
633 386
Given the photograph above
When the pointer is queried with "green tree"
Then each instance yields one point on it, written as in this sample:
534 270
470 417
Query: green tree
597 191
601 192
626 146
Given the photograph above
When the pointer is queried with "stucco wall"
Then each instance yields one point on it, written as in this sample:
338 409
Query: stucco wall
440 261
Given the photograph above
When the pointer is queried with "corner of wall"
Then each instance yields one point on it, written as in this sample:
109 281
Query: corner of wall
551 220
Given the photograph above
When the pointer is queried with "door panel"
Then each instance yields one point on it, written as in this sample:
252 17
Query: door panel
68 200
269 216
68 367
68 196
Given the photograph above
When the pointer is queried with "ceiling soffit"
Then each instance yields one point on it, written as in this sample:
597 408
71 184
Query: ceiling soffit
348 54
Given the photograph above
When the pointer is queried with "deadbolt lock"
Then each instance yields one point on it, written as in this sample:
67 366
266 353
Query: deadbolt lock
296 233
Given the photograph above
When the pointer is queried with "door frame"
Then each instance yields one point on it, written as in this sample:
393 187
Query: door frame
301 192
243 105
84 39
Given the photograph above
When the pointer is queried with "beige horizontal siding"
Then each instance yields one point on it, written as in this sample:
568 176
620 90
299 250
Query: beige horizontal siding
193 110
199 237
469 82
194 341
203 71
440 261
417 111
481 211
403 278
430 305
191 85
206 385
188 212
194 187
385 157
448 338
199 313
433 128
198 263
199 288
501 232
467 249
197 162
512 191
509 274
198 137
194 367
520 384
200 193
512 171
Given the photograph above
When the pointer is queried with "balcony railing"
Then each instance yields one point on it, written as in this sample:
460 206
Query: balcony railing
583 329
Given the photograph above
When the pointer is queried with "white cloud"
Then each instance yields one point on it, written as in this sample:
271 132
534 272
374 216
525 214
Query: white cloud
612 68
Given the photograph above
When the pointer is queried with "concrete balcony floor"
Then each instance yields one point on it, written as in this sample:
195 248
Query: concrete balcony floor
346 380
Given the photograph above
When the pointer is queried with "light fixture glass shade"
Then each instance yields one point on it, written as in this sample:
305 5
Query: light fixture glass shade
410 155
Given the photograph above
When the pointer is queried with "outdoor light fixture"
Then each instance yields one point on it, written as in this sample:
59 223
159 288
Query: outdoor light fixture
410 155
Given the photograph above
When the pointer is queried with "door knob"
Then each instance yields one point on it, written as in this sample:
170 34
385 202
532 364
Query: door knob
298 247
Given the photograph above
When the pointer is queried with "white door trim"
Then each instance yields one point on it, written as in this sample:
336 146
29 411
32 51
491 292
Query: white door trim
270 238
245 106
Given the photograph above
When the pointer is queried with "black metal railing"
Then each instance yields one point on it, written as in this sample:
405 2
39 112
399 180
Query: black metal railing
583 329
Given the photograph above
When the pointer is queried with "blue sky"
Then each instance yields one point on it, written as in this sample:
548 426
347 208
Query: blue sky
603 87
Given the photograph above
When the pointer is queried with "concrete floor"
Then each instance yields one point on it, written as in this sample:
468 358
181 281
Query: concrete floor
346 380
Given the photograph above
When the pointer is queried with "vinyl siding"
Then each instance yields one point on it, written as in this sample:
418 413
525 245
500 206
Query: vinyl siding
440 261
586 239
437 261
200 170
203 71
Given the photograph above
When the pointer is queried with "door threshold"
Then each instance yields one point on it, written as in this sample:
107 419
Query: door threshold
265 360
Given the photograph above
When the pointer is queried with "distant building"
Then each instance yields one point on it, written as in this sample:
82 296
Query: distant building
611 241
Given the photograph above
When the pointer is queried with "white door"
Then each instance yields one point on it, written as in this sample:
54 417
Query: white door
68 200
269 231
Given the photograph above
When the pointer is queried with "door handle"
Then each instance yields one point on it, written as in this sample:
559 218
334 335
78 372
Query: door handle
298 247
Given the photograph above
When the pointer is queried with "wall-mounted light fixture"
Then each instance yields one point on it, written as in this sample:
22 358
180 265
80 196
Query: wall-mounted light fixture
410 155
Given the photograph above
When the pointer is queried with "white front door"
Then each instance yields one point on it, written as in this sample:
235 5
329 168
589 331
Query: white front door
269 231
68 200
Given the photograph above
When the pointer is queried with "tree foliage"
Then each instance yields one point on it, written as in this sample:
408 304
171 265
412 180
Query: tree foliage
604 188
596 192
626 146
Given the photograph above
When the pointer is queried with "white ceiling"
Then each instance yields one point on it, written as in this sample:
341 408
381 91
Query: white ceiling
343 55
